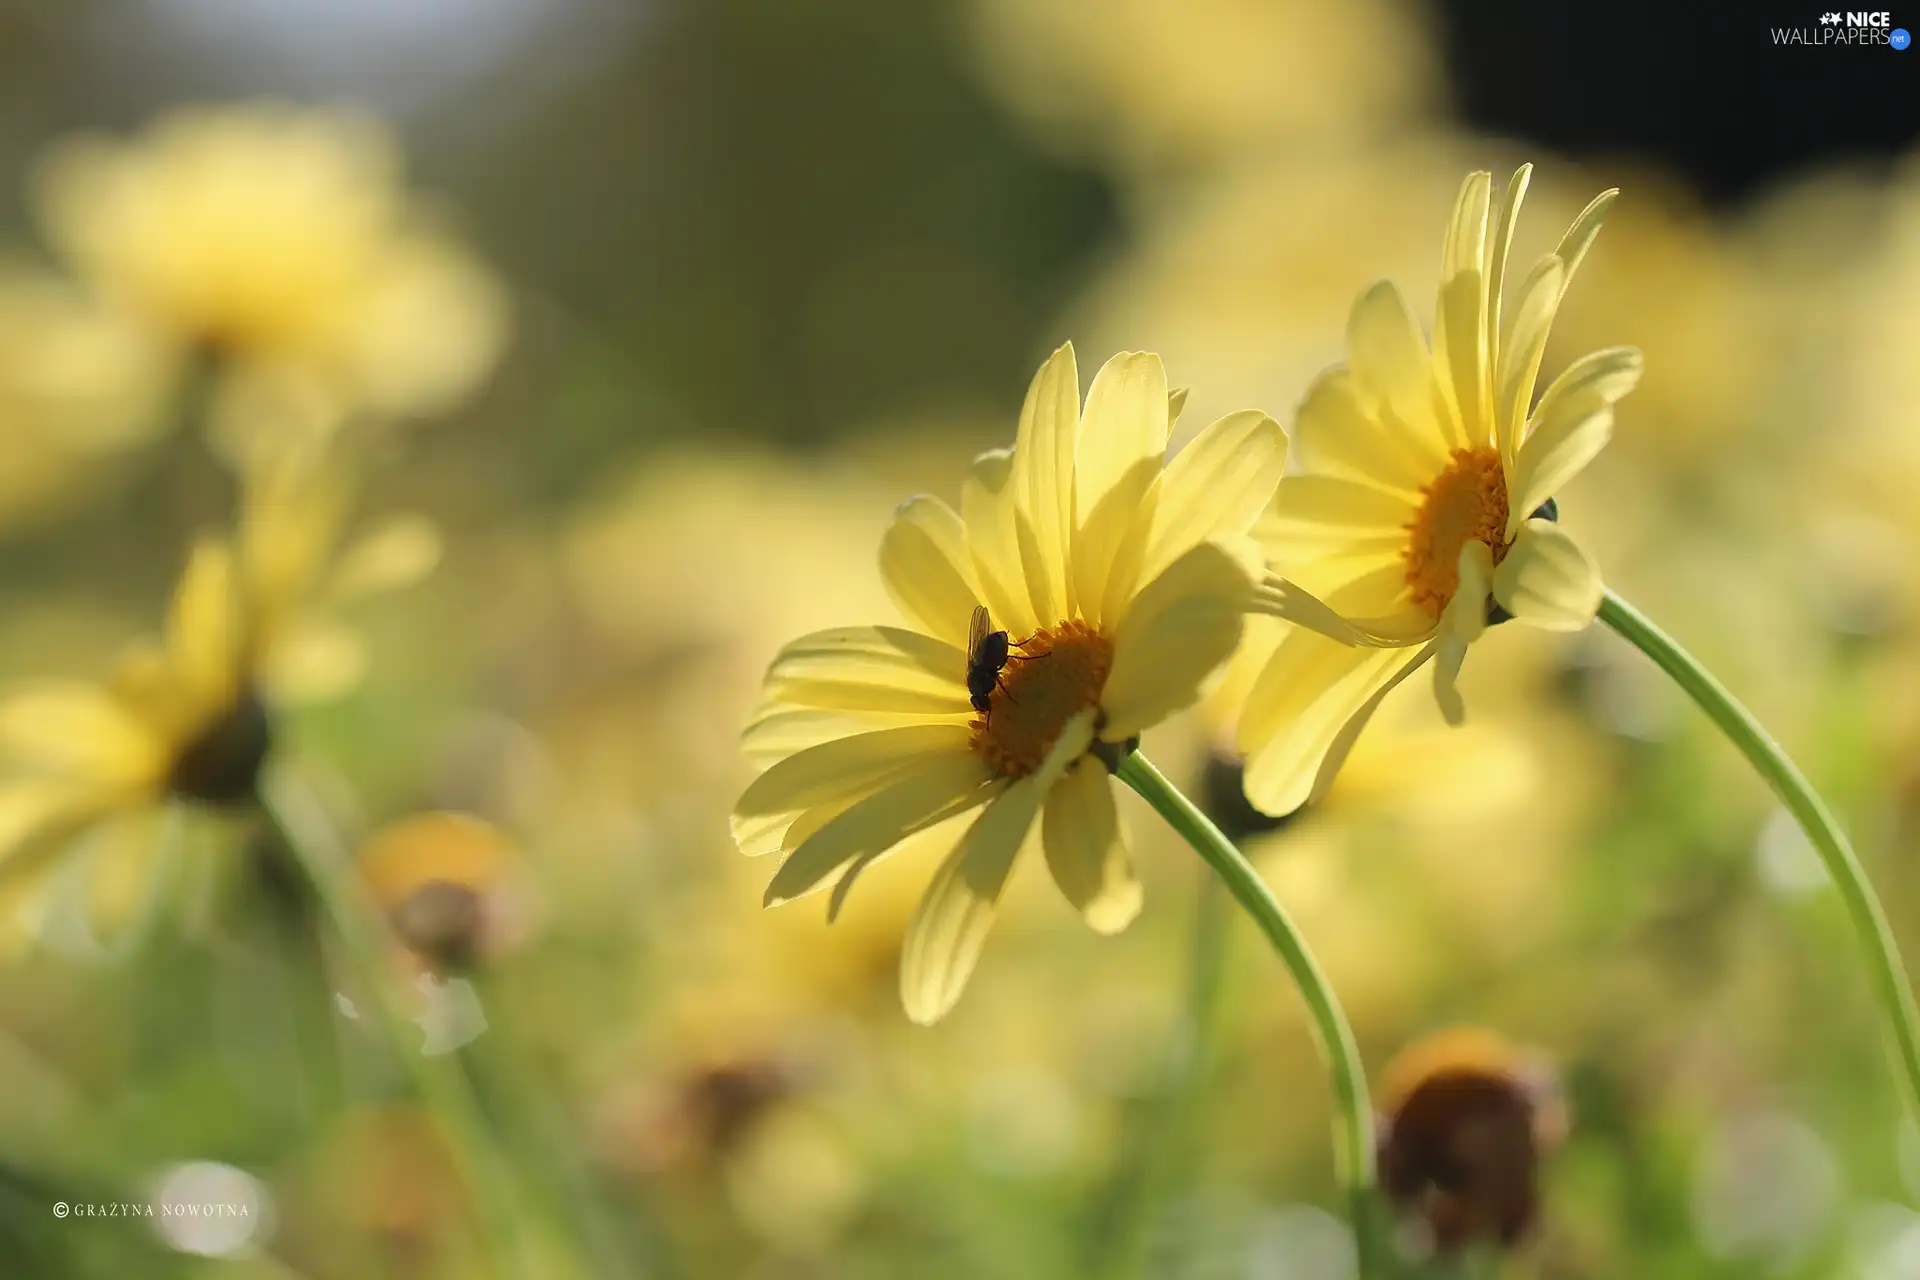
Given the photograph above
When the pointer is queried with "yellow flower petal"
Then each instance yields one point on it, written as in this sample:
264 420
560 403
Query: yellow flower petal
883 669
1503 245
1110 546
1298 706
1579 238
1547 579
1176 405
1461 623
1218 485
1393 369
848 766
316 661
203 634
778 731
1080 829
1181 626
988 509
1342 745
1125 424
39 813
395 555
1461 343
951 924
760 834
1372 611
1334 435
124 870
1043 478
1571 426
1520 352
1314 517
924 565
928 790
82 732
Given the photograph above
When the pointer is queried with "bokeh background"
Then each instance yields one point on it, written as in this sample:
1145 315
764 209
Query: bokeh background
690 295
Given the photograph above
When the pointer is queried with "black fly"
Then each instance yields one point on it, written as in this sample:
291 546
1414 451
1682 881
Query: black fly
988 652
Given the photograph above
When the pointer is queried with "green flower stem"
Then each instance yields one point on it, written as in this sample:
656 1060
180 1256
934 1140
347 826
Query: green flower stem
1353 1111
439 1081
1869 920
1164 1148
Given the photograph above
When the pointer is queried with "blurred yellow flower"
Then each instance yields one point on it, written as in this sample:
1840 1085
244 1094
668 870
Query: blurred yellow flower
1156 85
444 880
281 240
1120 581
1424 508
96 772
79 382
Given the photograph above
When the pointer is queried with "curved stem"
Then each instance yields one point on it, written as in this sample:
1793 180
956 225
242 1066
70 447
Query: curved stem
438 1080
1353 1111
1869 920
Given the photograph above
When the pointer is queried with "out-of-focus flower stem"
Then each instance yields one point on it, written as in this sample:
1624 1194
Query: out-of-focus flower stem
1353 1111
1165 1148
1877 947
438 1080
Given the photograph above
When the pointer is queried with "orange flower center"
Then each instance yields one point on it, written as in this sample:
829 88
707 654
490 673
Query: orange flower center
1468 502
1058 673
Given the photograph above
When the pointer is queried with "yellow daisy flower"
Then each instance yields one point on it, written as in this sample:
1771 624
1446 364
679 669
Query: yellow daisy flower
1423 509
282 240
1114 583
95 775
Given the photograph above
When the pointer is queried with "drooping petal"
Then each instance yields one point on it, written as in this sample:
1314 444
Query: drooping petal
1043 479
929 790
1461 623
1520 353
1080 829
884 669
1334 435
1302 699
1343 742
79 731
1181 626
943 942
1218 485
1125 425
1547 579
1370 611
992 517
924 565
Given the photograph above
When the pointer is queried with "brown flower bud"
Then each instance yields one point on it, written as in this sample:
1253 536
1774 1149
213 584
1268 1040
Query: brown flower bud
441 878
1467 1120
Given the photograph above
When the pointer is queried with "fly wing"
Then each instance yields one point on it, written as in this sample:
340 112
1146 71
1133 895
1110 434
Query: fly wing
978 630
